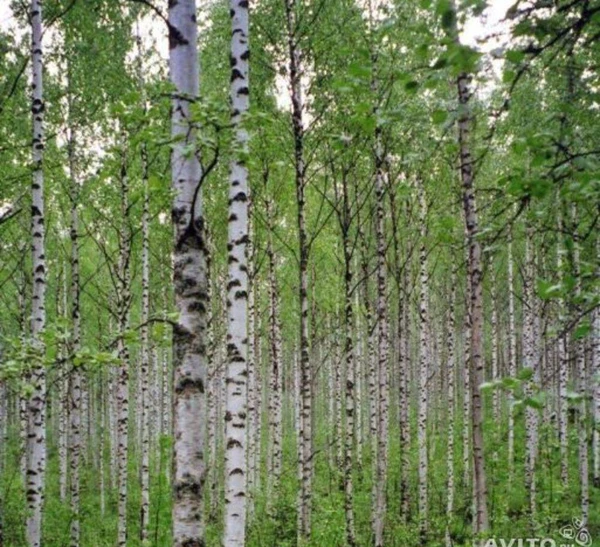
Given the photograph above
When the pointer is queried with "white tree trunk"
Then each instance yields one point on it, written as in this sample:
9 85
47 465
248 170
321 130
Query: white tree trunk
450 407
596 384
581 384
305 464
123 306
424 367
189 405
251 453
529 361
63 403
495 350
379 481
145 355
481 523
237 288
337 397
512 356
358 378
274 451
76 374
36 405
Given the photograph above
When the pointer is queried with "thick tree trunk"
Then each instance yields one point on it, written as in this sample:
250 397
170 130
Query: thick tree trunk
189 345
237 289
213 386
36 405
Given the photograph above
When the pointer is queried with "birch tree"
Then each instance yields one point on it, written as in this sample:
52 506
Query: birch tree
236 470
189 354
36 405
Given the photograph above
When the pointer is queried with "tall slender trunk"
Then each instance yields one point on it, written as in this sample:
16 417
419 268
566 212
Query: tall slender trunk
305 463
101 444
189 351
481 523
350 379
467 387
563 370
258 410
379 482
337 397
512 356
112 422
424 367
529 361
63 402
145 355
405 433
237 288
596 383
401 358
36 405
450 367
251 453
76 374
123 306
166 428
275 372
495 349
358 378
581 382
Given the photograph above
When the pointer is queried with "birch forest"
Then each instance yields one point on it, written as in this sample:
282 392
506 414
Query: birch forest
299 273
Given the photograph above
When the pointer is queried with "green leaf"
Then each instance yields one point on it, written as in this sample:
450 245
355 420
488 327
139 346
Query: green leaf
439 116
511 383
582 330
534 402
525 374
547 290
515 56
449 19
508 76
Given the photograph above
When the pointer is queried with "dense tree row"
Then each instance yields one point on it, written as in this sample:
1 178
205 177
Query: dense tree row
344 290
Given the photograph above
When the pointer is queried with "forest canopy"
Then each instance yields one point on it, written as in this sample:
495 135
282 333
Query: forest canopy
299 272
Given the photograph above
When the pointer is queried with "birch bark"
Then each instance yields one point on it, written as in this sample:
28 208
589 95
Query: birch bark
237 288
36 405
190 283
